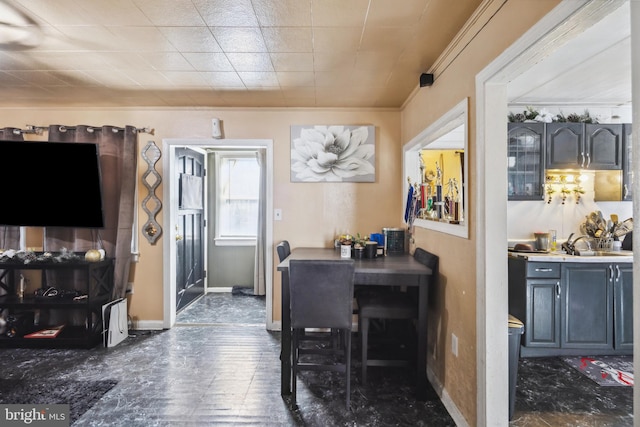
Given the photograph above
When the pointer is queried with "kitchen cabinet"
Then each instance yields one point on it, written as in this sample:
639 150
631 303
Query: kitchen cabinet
526 161
533 297
583 146
622 277
586 306
627 166
572 308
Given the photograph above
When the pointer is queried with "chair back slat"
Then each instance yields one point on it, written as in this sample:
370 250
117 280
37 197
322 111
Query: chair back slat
284 250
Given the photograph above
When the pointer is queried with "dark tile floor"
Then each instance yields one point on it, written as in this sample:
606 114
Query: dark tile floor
219 366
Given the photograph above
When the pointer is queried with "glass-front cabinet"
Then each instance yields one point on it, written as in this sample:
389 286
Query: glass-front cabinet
526 161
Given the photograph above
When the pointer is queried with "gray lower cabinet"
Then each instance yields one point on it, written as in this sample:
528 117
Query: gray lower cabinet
623 305
572 308
586 306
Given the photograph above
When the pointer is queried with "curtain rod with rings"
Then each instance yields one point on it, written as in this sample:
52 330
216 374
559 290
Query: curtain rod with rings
39 130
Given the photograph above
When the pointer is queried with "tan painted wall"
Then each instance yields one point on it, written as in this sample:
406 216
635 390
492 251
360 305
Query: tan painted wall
453 301
313 214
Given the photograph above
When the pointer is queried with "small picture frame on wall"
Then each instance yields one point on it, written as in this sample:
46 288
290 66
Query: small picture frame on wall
335 153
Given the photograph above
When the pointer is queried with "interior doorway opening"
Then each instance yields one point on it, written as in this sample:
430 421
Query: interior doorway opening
171 194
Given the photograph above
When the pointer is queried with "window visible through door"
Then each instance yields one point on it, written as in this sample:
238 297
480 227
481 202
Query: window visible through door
237 196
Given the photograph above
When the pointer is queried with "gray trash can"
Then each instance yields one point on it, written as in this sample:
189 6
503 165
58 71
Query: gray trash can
516 329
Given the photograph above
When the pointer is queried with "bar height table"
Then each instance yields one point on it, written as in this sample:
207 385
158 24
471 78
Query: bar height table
391 270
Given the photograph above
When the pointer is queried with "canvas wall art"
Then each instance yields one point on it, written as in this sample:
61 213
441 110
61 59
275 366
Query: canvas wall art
333 153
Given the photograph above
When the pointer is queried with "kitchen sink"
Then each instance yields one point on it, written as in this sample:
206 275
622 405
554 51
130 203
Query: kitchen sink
604 253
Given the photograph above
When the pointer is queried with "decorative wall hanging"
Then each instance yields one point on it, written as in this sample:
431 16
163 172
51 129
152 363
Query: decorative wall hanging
151 179
333 153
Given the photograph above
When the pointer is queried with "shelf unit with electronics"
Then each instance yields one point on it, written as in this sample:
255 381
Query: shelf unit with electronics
70 295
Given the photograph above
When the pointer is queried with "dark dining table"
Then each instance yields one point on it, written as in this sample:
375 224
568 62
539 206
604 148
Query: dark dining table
390 270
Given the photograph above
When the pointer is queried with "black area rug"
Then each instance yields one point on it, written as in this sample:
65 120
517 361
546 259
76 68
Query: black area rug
604 370
243 290
79 395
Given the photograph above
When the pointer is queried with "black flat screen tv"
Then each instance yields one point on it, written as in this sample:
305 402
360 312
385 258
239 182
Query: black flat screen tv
50 184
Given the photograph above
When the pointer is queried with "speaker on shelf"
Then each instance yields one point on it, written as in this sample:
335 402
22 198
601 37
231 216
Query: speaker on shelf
426 79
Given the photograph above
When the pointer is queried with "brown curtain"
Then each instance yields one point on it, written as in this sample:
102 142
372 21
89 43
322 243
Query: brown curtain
10 235
118 156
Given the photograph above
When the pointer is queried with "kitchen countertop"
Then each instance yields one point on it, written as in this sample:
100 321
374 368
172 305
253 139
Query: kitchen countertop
619 256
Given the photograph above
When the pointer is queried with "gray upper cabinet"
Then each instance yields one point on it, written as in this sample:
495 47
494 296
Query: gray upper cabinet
584 146
627 166
526 161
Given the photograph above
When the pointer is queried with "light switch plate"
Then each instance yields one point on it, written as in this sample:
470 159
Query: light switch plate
277 214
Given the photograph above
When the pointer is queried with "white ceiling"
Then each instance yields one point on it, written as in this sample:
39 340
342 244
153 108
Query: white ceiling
592 69
221 53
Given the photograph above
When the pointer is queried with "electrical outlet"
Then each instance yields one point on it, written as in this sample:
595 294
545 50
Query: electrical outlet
277 214
454 345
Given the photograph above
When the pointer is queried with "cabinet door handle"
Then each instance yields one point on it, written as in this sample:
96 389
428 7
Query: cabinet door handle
617 273
626 191
544 270
588 160
582 163
558 290
610 273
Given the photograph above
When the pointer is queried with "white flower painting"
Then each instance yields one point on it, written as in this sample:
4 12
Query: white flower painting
333 153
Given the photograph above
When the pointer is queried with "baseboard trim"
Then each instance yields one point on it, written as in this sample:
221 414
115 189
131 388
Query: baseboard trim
148 325
446 400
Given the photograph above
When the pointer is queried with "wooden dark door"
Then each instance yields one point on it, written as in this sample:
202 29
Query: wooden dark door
190 272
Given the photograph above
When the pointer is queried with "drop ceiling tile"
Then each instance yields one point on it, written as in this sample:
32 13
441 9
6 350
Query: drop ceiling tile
59 12
237 39
142 39
125 60
290 39
185 78
260 62
167 61
339 13
227 13
10 80
86 38
283 13
332 78
259 79
15 60
39 78
405 13
336 39
171 12
209 61
191 39
112 78
286 78
219 79
386 38
113 12
146 78
292 61
337 61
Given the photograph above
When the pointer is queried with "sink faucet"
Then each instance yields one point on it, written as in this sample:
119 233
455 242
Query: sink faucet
570 245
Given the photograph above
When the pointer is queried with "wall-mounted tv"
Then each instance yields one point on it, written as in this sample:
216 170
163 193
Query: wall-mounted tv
50 184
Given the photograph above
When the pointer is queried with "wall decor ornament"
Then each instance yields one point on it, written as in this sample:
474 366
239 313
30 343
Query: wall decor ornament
333 153
151 179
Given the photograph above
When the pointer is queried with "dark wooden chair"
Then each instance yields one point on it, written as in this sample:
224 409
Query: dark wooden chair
383 305
284 250
321 294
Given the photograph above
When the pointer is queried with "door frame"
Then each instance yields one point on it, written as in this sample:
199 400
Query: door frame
170 197
567 20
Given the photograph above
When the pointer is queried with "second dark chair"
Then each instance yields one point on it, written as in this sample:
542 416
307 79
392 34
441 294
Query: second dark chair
388 305
321 294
